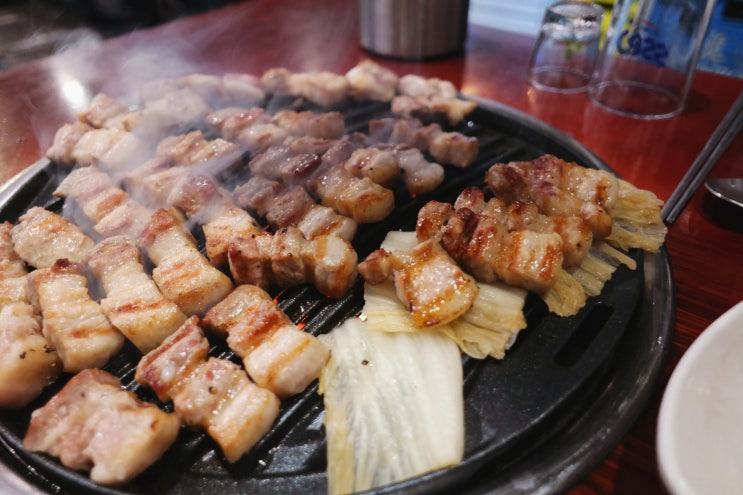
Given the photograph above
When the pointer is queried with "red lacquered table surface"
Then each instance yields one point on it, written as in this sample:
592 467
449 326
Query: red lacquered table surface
37 98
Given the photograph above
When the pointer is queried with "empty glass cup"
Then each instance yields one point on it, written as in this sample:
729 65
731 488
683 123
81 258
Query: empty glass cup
567 47
649 58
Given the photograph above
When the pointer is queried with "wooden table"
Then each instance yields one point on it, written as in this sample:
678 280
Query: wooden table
36 98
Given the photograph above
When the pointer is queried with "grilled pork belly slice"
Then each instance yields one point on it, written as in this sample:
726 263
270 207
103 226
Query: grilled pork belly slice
287 259
277 355
371 81
327 125
381 166
575 232
428 98
112 149
41 237
28 363
72 321
216 91
214 394
448 148
284 206
361 199
133 303
104 111
65 139
427 280
111 210
230 122
420 175
11 265
94 425
322 88
181 272
93 190
193 148
557 188
174 112
483 246
428 108
488 328
201 199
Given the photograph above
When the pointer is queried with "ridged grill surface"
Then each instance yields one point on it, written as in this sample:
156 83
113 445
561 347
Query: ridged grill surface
512 406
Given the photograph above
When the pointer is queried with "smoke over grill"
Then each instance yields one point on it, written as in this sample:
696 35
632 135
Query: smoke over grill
538 372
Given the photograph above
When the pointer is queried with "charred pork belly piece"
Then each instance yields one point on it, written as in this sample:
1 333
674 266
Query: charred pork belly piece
200 198
557 188
216 91
277 355
105 111
284 206
283 163
72 321
232 223
112 149
574 231
427 281
193 148
327 125
359 198
214 394
28 362
256 131
11 265
181 272
321 88
325 177
242 89
133 303
379 165
371 81
111 210
94 191
430 98
287 259
448 148
420 175
65 140
484 247
174 112
230 122
41 237
94 425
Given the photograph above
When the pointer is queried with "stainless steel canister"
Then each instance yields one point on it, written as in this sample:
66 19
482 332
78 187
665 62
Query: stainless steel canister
413 29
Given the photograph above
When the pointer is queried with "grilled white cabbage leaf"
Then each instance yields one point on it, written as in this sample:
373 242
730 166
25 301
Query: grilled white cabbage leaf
394 405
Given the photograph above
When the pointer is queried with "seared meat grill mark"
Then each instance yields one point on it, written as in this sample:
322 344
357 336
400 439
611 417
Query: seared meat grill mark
277 354
72 320
211 393
133 302
93 424
29 362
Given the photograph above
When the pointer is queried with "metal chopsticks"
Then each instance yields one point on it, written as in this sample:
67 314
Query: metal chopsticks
710 154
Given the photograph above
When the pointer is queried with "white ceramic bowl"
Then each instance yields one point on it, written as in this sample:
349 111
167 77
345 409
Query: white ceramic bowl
700 425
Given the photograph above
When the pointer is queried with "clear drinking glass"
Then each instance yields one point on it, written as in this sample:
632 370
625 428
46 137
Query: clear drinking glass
567 47
651 51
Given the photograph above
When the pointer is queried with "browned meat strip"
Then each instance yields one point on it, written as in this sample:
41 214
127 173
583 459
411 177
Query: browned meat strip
214 394
276 354
94 425
72 321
